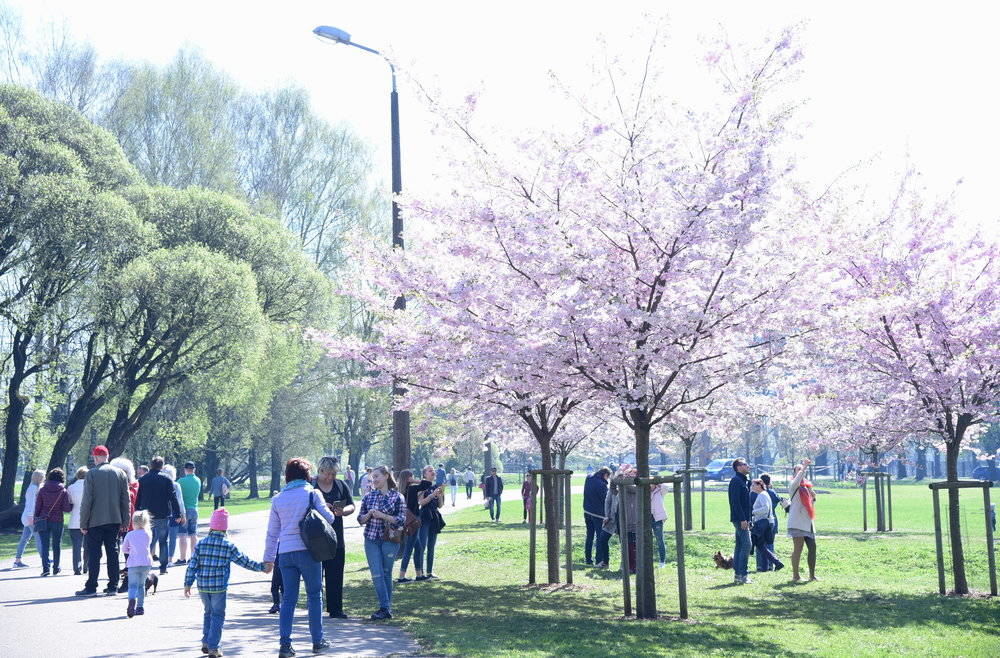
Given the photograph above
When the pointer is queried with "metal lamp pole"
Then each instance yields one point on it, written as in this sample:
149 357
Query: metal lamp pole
400 419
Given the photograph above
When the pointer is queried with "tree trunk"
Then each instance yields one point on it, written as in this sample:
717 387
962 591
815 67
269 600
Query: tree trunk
645 584
354 461
921 471
551 515
252 472
937 463
276 466
688 515
16 404
954 448
900 467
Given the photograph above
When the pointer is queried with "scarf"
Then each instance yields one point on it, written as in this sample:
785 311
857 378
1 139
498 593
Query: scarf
806 498
294 484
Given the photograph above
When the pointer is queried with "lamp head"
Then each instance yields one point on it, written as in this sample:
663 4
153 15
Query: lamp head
333 34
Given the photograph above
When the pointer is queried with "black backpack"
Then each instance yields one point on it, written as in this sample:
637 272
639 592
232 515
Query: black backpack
317 534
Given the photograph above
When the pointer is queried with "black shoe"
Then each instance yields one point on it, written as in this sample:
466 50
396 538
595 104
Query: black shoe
338 615
275 608
286 652
431 576
421 578
380 614
110 591
45 572
178 563
163 571
404 580
131 608
321 647
779 566
123 587
55 571
87 592
140 611
204 648
155 558
77 572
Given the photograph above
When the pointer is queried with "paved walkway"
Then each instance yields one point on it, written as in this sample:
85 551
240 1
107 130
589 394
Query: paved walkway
41 616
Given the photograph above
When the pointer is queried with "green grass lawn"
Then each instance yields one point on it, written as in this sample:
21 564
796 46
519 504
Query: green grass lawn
238 503
877 593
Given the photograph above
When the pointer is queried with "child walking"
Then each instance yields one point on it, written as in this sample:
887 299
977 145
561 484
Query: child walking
138 561
209 565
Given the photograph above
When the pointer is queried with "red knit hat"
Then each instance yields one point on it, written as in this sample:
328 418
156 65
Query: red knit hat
99 451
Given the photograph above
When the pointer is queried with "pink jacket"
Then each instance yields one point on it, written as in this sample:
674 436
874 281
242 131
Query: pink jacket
656 502
136 546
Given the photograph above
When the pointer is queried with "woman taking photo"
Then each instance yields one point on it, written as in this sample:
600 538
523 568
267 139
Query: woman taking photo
381 509
284 544
338 499
411 543
430 498
801 514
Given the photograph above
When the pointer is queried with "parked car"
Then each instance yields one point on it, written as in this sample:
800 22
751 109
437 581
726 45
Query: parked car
986 473
720 469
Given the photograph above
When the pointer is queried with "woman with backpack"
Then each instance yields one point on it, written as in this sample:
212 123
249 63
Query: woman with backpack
285 546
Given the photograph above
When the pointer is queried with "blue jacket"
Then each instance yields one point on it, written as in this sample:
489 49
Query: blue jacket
595 490
739 498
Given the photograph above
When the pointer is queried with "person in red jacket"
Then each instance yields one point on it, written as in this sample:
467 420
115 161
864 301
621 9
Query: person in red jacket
50 505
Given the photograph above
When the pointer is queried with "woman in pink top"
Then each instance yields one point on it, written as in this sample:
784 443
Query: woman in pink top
136 546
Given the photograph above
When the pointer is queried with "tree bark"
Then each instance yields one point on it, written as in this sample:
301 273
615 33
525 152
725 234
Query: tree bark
954 448
252 472
646 592
551 515
16 404
688 515
354 461
921 470
276 466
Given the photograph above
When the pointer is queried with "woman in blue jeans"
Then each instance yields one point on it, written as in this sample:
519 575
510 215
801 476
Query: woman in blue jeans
411 544
295 562
429 500
383 505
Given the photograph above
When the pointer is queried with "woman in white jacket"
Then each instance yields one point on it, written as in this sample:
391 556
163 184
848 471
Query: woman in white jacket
656 493
801 516
28 518
75 491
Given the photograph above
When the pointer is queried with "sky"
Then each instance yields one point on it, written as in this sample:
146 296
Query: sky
890 83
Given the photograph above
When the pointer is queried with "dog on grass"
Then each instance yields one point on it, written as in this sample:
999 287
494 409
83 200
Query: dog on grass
151 581
722 562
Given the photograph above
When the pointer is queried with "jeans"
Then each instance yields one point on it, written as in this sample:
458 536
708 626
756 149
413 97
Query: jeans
161 538
172 529
190 526
765 557
453 488
412 545
51 537
658 536
380 556
468 489
79 552
219 501
215 617
102 537
741 555
594 531
296 565
137 584
764 563
333 575
428 539
26 534
495 500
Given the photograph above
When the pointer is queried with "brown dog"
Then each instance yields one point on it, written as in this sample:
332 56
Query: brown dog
722 562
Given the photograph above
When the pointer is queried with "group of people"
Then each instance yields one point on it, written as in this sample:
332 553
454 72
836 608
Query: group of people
753 508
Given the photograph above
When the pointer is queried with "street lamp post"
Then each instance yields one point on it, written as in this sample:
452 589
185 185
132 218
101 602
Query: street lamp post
400 419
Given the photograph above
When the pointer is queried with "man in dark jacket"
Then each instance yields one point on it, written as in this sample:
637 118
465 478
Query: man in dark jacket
493 488
104 511
595 490
739 514
156 495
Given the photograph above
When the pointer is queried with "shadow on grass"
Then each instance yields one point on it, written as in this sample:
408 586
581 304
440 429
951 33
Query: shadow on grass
471 620
865 609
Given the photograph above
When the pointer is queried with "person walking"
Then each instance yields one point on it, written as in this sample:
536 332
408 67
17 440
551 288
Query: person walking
624 528
175 525
138 562
595 491
493 488
209 567
430 499
765 478
470 482
381 507
337 497
801 516
284 546
104 512
739 516
220 488
659 512
409 487
75 493
28 519
453 478
190 486
439 476
156 495
128 469
760 528
51 503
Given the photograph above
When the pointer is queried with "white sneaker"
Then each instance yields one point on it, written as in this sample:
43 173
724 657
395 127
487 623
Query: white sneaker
662 564
747 581
19 565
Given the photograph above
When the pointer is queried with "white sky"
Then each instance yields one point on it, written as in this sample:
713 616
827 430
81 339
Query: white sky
886 79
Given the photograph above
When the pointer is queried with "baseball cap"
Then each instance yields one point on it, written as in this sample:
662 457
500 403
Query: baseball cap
99 451
188 464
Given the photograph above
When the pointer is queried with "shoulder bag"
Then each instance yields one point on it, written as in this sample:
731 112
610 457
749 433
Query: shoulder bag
42 522
391 532
317 534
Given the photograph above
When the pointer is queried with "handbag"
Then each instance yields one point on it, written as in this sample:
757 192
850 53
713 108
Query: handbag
317 534
412 523
392 533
